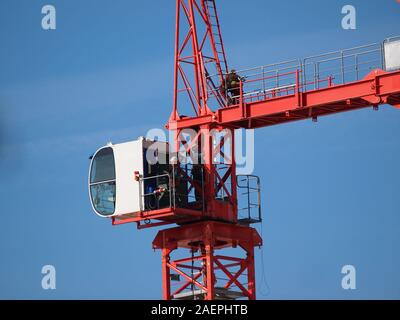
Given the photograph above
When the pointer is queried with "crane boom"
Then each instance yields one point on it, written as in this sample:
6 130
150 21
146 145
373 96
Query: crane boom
377 88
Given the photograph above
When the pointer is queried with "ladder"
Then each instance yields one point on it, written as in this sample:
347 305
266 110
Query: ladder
218 44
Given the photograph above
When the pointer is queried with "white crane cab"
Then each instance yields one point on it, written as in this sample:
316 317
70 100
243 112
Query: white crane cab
123 178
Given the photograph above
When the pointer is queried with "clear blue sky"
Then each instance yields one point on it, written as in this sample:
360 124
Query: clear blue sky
331 190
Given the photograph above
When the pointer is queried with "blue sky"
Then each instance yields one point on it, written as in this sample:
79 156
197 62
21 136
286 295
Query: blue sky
330 190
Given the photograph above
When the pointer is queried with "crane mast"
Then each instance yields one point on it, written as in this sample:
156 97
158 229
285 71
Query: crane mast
200 71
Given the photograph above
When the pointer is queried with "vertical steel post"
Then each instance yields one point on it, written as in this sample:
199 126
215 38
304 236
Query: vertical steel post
242 106
210 277
176 65
342 66
166 274
251 277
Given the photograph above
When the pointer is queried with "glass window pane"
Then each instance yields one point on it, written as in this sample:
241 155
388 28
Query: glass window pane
103 167
103 198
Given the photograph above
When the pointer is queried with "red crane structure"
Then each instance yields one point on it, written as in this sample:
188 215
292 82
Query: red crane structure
204 109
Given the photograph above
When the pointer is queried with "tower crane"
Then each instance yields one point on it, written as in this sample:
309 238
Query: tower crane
196 186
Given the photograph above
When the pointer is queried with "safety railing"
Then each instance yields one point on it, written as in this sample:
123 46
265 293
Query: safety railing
302 75
249 199
343 66
156 192
267 86
181 187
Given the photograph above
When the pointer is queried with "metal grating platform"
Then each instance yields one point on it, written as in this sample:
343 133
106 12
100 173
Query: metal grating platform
220 294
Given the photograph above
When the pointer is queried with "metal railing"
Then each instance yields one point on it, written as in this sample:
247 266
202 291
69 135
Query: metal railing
249 199
311 73
343 66
157 195
174 189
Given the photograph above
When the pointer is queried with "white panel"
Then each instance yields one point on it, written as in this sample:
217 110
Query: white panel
392 55
128 159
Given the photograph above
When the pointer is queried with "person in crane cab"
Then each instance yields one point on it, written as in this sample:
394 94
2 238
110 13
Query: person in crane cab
198 179
232 87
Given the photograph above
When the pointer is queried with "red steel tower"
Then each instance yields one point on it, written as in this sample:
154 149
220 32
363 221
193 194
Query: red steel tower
200 71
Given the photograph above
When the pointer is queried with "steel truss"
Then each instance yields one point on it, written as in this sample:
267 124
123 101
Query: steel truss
202 272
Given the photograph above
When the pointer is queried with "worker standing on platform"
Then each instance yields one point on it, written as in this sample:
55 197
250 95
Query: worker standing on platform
232 87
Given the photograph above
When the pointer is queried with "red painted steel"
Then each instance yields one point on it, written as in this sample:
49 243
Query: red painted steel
378 88
203 239
199 53
281 105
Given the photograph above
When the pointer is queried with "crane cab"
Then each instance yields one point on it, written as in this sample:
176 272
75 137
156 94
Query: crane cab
123 178
135 182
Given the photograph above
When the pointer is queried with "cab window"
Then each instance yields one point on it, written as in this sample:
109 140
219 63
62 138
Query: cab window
102 182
